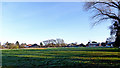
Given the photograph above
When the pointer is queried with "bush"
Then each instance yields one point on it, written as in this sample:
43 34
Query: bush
12 46
0 47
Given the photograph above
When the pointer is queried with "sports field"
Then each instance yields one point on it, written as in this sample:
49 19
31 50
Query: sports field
76 57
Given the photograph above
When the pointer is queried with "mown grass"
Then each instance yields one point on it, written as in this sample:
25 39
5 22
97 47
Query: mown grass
80 57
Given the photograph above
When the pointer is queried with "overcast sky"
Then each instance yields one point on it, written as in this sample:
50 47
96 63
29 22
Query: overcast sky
33 22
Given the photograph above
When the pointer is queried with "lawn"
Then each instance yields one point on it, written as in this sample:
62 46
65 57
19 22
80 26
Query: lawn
77 57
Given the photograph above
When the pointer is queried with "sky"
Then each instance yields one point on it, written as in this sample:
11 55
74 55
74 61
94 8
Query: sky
34 22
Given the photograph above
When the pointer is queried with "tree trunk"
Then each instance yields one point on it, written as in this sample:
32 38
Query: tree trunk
117 41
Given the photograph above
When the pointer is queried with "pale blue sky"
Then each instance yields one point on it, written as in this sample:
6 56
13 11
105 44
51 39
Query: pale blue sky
33 22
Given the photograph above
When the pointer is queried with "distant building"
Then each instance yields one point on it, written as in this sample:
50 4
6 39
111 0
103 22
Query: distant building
34 46
93 44
29 45
72 44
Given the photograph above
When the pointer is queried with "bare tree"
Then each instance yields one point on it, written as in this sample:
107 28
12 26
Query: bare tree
108 10
53 42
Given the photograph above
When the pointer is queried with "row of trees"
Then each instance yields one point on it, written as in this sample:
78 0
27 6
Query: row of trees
13 46
47 43
10 45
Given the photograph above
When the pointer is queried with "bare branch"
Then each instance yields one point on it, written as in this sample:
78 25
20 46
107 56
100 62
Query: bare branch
96 15
110 4
110 16
115 3
100 20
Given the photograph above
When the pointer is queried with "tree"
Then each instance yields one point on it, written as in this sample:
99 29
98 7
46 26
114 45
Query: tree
22 45
107 11
94 42
41 44
17 44
6 43
82 45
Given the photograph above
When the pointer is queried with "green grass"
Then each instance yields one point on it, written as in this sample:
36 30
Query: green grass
80 57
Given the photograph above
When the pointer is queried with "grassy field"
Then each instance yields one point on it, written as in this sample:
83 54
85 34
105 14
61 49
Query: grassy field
79 57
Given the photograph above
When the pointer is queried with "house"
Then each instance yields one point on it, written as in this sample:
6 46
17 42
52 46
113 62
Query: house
28 45
93 44
110 44
34 46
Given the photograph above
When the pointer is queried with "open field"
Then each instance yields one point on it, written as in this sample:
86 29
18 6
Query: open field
79 57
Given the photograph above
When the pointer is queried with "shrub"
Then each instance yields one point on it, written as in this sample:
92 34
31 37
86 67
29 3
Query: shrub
1 47
12 46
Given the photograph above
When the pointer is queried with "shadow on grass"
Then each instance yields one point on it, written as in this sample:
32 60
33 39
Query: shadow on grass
78 49
36 62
